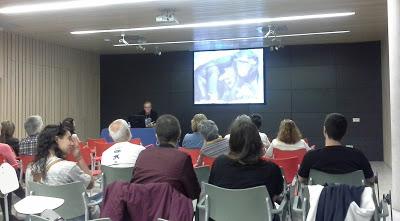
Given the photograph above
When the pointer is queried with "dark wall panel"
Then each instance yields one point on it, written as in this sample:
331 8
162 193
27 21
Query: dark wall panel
302 82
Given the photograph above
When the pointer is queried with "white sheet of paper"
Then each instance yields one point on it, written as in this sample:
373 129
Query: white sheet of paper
37 204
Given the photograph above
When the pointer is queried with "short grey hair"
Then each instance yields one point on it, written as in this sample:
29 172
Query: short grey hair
33 125
209 130
119 131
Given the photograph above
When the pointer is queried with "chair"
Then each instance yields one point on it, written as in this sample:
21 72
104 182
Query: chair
277 154
72 193
100 148
289 166
136 141
202 173
252 204
193 153
91 142
24 161
112 174
208 161
355 178
8 184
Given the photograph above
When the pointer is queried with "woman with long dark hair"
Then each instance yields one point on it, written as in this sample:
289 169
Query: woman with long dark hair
50 166
7 129
243 167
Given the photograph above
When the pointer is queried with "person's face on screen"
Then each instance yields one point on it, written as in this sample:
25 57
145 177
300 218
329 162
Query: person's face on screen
147 108
229 77
243 66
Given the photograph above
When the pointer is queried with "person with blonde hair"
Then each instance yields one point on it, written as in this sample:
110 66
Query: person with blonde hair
289 138
195 139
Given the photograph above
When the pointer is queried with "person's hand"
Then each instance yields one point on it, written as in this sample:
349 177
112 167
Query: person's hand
76 153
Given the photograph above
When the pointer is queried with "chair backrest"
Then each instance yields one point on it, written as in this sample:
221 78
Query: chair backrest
277 153
136 141
355 178
91 142
25 161
193 153
8 179
101 147
202 173
112 174
289 166
208 161
71 193
252 204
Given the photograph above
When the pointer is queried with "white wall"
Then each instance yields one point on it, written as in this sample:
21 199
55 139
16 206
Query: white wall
394 68
387 147
49 80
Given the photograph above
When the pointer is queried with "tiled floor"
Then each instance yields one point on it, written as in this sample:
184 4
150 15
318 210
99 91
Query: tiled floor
385 183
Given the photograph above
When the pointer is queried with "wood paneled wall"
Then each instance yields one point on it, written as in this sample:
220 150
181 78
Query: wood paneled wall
40 78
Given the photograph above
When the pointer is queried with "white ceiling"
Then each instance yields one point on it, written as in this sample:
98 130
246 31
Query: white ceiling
368 24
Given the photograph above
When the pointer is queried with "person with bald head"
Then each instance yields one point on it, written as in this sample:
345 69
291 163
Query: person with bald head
123 153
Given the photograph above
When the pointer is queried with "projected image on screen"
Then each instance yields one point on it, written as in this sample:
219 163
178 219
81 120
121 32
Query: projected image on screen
229 77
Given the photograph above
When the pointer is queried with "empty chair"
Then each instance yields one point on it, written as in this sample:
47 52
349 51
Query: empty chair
252 204
72 193
112 174
8 184
91 142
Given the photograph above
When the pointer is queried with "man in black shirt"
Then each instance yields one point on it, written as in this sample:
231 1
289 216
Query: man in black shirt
149 114
335 158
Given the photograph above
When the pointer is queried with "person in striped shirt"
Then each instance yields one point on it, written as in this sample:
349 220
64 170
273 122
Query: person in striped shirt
214 145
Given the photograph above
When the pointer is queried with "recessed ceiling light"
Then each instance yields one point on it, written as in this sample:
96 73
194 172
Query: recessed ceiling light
65 5
220 23
234 39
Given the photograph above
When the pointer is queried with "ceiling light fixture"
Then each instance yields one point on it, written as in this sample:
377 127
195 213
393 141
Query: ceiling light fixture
65 5
234 39
220 23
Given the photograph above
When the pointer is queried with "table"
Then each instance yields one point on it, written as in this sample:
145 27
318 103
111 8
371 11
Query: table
146 135
31 205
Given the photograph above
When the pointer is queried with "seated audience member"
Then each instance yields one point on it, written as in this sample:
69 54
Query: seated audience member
69 124
165 163
149 114
7 129
334 157
257 120
243 167
122 153
9 156
214 145
195 139
289 138
50 167
33 125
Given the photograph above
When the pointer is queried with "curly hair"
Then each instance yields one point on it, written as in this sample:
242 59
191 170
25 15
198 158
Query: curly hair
289 133
195 122
47 142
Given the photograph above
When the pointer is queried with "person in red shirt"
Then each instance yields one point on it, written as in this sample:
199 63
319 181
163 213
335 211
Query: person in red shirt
165 163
